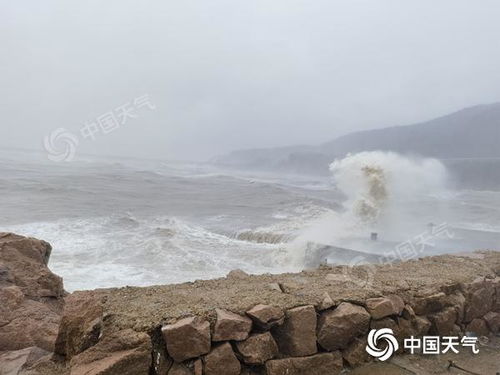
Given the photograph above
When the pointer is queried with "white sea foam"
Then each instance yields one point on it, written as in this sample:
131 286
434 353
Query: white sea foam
113 225
384 192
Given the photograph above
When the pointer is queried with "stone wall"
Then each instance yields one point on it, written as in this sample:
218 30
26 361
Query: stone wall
314 322
314 340
322 332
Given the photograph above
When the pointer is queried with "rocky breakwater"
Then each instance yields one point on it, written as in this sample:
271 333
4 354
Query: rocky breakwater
31 302
314 322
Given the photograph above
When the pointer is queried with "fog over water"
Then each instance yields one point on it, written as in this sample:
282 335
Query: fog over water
226 75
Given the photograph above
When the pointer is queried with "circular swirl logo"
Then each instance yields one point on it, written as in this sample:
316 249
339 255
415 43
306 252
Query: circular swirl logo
359 272
386 335
60 145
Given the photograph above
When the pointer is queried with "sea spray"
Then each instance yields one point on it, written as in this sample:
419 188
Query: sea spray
382 191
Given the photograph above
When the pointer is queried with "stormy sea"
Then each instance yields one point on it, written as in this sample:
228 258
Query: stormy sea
145 222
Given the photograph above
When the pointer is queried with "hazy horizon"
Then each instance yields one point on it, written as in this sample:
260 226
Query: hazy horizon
234 75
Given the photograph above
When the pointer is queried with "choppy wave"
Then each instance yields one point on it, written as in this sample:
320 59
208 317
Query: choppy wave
113 225
123 250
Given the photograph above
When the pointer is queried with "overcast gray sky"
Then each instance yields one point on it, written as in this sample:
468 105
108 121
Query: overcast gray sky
230 74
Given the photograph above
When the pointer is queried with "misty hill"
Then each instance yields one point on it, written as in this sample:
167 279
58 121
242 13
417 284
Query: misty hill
470 133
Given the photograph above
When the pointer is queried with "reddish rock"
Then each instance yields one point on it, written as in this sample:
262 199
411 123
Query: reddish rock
492 319
411 324
31 324
257 349
230 326
443 322
80 324
222 361
297 336
356 354
12 297
198 367
13 362
337 328
124 352
385 306
319 364
188 338
422 326
26 261
429 304
179 369
265 316
30 295
479 299
478 327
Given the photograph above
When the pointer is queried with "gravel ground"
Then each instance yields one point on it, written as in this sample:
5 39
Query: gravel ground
146 308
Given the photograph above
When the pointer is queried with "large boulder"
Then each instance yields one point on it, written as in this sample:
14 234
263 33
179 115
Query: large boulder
179 369
356 353
81 324
188 338
12 297
266 317
257 349
231 326
478 327
31 295
222 361
385 306
480 297
25 262
337 328
429 304
297 336
32 324
124 352
411 324
443 322
319 364
492 319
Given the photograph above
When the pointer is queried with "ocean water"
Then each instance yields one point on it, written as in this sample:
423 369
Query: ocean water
140 222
